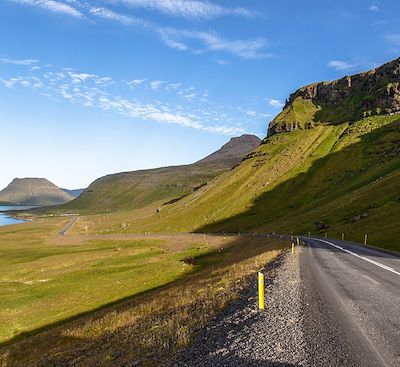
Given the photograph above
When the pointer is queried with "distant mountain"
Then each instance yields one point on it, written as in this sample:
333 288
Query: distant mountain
234 151
132 190
33 191
75 192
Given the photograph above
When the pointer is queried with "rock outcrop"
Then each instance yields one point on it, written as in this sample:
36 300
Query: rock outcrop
375 92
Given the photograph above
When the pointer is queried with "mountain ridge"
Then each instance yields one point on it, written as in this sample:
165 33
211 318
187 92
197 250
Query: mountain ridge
135 189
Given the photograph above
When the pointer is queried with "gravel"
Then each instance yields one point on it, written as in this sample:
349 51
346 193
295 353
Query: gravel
244 336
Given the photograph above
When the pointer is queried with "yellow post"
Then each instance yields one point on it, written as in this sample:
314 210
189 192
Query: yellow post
261 297
292 247
342 236
365 239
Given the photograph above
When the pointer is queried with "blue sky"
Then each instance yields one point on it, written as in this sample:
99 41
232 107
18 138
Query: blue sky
89 88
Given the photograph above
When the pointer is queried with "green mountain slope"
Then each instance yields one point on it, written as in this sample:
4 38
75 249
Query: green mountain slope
132 190
329 176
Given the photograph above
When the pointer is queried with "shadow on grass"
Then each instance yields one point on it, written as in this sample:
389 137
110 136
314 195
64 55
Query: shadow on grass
56 345
296 204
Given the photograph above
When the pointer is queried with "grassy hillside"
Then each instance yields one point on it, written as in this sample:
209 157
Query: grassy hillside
132 190
333 178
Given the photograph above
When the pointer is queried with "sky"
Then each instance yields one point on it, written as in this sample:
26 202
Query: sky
89 88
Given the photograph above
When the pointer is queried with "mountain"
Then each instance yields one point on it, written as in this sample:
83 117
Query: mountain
330 163
33 191
74 192
232 152
372 93
132 190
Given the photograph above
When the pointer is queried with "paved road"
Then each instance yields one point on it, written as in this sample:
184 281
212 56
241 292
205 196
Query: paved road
351 298
68 226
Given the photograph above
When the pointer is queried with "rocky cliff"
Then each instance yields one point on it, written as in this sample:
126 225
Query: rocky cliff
375 92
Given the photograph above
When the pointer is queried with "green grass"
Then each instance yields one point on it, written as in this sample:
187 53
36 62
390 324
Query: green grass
149 328
46 279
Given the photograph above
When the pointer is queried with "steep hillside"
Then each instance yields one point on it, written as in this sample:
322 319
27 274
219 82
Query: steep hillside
33 191
130 190
334 177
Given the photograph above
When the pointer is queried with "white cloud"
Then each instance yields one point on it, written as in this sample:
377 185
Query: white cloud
135 83
393 38
223 62
190 8
247 49
374 8
275 103
340 65
112 15
103 92
52 5
18 62
156 84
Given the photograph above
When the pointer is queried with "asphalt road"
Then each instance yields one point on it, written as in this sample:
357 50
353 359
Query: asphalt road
68 226
351 300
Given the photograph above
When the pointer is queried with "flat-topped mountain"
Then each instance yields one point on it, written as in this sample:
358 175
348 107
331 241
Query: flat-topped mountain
375 92
33 191
136 189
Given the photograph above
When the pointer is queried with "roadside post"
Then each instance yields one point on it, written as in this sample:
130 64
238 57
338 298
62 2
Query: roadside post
365 239
298 241
261 296
342 236
292 247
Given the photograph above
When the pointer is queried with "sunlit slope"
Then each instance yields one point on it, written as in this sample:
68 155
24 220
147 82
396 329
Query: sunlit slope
136 189
330 178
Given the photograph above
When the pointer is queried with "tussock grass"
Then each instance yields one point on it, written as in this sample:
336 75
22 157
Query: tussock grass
151 327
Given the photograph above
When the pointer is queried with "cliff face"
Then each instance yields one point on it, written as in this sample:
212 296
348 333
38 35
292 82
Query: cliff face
375 92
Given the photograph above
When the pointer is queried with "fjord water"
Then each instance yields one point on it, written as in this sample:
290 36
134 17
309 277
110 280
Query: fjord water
5 219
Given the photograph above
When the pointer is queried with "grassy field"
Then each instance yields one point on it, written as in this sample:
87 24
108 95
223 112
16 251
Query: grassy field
49 280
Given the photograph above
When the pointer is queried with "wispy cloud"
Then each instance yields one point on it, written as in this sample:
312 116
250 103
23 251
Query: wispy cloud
26 62
190 108
117 17
194 9
53 6
373 7
275 103
247 49
340 65
393 38
156 84
179 39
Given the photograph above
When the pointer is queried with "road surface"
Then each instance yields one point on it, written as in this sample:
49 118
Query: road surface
351 297
68 226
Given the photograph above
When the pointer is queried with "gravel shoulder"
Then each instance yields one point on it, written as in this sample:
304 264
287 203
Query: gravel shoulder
244 336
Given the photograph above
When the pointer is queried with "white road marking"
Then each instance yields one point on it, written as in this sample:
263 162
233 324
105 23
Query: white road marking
388 268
